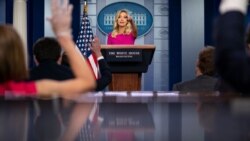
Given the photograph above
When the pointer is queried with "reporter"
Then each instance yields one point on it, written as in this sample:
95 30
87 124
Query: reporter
105 72
232 60
13 72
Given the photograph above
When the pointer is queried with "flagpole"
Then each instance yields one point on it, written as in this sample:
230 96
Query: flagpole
85 9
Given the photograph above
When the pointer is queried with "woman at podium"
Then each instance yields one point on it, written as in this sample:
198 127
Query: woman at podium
124 29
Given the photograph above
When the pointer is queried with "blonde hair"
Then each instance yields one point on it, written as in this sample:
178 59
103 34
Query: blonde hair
128 28
12 58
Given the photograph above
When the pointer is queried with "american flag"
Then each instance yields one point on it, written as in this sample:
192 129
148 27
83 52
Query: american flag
83 42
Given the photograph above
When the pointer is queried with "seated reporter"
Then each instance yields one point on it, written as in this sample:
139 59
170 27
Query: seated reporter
105 73
232 59
205 79
13 71
48 56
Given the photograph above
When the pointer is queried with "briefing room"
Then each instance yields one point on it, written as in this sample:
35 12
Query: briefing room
124 70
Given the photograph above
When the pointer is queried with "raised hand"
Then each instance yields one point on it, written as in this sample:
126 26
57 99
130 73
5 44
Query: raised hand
96 47
233 5
130 19
61 17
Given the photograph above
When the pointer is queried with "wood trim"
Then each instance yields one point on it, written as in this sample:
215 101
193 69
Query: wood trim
127 46
125 82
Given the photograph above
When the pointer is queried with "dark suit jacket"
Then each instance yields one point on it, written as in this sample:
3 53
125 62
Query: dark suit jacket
232 61
51 70
200 83
106 75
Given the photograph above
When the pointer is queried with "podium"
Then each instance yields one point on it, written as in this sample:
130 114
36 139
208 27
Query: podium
127 63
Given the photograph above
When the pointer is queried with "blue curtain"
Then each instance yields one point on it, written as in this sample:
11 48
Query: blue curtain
174 42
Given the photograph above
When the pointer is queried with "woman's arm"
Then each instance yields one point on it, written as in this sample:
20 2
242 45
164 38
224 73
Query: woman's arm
84 79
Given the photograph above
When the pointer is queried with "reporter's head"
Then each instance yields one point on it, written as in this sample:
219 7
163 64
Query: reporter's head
12 57
47 48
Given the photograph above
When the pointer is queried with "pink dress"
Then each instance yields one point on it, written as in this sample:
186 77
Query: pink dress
18 88
121 39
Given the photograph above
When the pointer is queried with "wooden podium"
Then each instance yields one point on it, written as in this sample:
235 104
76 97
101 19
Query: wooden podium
127 63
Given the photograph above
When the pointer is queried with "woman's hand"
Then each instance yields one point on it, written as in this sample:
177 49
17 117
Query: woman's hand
130 19
61 17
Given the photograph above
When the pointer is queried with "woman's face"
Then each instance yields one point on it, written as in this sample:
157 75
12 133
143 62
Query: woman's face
122 19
